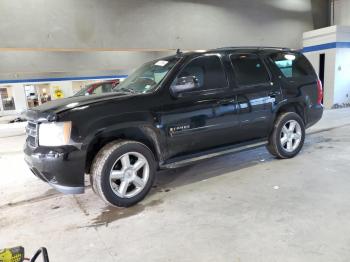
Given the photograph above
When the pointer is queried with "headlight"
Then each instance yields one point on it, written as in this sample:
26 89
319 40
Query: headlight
55 133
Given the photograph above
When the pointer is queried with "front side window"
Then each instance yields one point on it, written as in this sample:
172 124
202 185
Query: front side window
207 71
292 65
146 78
249 70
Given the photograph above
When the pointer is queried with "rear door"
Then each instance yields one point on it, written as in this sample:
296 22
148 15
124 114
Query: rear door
257 93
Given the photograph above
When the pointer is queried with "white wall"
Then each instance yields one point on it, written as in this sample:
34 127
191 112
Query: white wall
329 73
337 63
19 97
342 77
341 12
65 86
317 37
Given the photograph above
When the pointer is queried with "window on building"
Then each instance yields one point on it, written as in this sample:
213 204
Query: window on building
7 99
249 70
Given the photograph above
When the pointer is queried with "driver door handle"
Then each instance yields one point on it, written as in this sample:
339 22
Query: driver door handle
273 94
226 101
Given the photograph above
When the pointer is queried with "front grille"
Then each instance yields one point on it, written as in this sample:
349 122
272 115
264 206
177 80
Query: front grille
32 134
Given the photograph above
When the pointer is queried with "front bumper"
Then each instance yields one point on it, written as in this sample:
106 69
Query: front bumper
61 167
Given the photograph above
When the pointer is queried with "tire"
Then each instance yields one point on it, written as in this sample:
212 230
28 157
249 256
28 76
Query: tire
120 182
283 141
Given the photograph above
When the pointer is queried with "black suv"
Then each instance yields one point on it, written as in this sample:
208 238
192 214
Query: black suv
172 112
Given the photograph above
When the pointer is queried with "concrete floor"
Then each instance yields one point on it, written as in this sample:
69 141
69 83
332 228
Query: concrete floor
243 207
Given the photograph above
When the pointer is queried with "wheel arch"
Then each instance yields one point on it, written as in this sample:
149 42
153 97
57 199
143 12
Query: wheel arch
295 106
144 134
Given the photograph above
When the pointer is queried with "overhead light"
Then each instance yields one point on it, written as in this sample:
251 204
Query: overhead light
289 57
292 5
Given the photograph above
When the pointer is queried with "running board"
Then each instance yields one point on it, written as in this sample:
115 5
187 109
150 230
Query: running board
189 159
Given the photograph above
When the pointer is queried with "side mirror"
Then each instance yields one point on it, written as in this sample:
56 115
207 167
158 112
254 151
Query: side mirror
184 84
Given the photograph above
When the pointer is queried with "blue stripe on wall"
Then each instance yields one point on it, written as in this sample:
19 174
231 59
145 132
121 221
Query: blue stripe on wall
343 44
326 46
36 80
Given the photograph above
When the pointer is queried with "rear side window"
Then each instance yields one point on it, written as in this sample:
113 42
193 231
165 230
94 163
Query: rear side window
249 70
208 71
292 65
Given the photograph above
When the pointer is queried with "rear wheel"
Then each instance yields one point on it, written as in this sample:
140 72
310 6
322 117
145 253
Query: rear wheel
123 172
288 136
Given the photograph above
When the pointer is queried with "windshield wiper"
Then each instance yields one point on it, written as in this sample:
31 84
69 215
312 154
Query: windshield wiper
125 89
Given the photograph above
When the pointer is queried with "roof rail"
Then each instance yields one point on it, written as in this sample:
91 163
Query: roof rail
254 47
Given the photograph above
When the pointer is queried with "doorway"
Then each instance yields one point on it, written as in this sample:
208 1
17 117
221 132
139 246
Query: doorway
321 70
37 94
7 99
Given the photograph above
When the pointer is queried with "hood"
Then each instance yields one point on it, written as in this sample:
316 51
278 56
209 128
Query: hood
50 109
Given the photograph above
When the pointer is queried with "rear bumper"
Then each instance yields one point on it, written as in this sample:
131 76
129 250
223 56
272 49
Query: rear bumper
62 168
314 114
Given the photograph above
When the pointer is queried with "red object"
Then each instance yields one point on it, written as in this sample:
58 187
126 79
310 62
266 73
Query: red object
319 92
93 86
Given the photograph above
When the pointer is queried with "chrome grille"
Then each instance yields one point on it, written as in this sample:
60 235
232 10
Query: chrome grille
32 134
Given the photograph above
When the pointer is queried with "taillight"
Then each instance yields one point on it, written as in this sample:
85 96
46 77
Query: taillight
319 92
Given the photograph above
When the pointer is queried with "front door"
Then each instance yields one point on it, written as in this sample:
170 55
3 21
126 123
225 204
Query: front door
256 95
199 119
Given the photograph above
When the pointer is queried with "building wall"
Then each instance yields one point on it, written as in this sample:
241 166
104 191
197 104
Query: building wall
342 77
19 97
65 86
153 24
329 73
33 64
341 12
43 38
334 42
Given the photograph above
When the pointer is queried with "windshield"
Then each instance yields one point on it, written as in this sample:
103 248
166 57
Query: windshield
146 78
97 88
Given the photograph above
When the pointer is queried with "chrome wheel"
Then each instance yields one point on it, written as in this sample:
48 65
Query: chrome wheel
129 175
291 135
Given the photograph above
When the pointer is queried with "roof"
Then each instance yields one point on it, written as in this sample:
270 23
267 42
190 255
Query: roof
254 48
266 49
235 48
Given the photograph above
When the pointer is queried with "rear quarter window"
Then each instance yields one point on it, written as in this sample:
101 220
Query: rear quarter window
293 65
249 70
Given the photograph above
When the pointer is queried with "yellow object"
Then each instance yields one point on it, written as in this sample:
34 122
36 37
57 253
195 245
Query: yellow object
58 93
15 254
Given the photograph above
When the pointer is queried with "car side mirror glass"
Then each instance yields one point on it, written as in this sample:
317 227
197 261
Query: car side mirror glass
185 84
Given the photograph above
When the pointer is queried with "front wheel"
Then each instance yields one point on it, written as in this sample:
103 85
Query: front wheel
288 136
123 172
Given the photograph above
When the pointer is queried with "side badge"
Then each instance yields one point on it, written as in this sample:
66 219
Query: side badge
177 129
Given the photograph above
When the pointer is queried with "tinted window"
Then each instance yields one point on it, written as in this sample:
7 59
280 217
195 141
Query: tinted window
249 70
292 65
103 88
147 77
208 71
